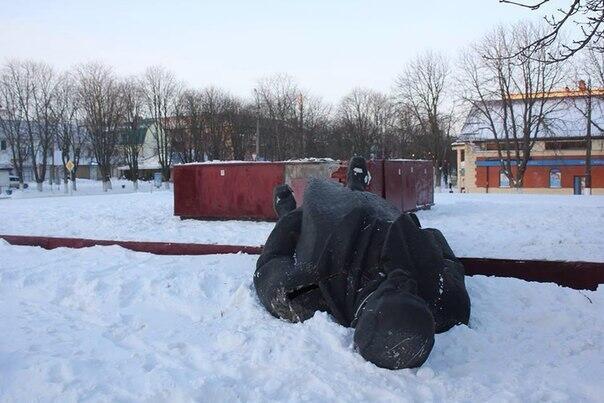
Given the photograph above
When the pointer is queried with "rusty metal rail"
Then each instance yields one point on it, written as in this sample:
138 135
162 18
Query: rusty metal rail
156 248
579 275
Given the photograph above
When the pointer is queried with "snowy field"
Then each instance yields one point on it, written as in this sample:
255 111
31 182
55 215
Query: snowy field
85 187
119 214
520 226
503 226
107 324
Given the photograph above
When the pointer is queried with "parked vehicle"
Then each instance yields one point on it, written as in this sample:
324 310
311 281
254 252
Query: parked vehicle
14 182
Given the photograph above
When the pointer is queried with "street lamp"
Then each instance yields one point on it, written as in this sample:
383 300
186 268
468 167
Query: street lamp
257 124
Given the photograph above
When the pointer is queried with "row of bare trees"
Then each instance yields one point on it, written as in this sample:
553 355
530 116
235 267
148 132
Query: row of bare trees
91 111
411 121
88 111
28 94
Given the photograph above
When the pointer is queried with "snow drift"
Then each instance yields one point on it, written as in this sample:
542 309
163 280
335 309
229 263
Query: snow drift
104 323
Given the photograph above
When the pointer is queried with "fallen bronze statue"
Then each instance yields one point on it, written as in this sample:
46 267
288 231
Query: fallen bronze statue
350 253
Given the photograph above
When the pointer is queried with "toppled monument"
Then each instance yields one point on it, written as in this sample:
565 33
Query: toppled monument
350 253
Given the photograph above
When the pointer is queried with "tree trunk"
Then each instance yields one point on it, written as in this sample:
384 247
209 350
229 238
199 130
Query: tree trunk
135 183
40 186
587 190
66 182
108 185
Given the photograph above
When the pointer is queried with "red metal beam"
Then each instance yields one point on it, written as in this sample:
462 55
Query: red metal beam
579 275
156 248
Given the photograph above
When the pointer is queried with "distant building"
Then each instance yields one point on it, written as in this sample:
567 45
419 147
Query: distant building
558 157
145 138
87 167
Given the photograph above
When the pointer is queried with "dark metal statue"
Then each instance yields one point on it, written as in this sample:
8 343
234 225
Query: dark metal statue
350 253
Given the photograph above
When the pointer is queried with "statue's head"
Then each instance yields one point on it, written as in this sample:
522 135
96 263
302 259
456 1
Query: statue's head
395 327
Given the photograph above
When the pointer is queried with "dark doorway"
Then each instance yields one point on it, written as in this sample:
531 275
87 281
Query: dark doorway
578 184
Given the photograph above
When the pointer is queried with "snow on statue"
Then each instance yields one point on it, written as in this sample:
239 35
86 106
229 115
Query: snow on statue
350 253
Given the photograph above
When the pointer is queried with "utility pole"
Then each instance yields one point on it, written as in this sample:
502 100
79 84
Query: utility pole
257 124
588 141
383 140
301 99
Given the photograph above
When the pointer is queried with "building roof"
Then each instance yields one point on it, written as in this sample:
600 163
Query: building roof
564 116
580 92
129 136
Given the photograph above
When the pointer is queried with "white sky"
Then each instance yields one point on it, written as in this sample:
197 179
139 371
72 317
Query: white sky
328 46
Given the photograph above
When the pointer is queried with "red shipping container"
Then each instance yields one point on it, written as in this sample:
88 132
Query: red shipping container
240 190
244 190
424 183
409 184
226 190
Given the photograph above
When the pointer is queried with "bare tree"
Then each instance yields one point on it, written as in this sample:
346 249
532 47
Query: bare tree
46 82
421 89
238 127
592 65
510 96
161 91
242 118
586 16
401 141
33 86
11 122
589 103
188 133
102 114
132 138
365 115
69 135
314 117
277 97
214 102
293 121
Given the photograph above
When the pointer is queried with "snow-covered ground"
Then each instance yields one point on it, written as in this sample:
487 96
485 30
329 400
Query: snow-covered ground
107 324
85 187
504 226
147 216
520 225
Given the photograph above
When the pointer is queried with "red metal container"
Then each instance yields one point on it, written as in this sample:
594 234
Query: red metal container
376 170
409 184
240 190
424 183
243 190
226 190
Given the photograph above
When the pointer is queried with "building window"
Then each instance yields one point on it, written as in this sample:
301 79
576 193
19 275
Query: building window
2 145
566 145
493 145
555 178
462 155
504 181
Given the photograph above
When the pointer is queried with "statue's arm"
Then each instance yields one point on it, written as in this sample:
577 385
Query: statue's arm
453 305
277 276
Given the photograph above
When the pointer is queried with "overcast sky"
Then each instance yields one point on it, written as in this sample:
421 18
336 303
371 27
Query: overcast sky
328 46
